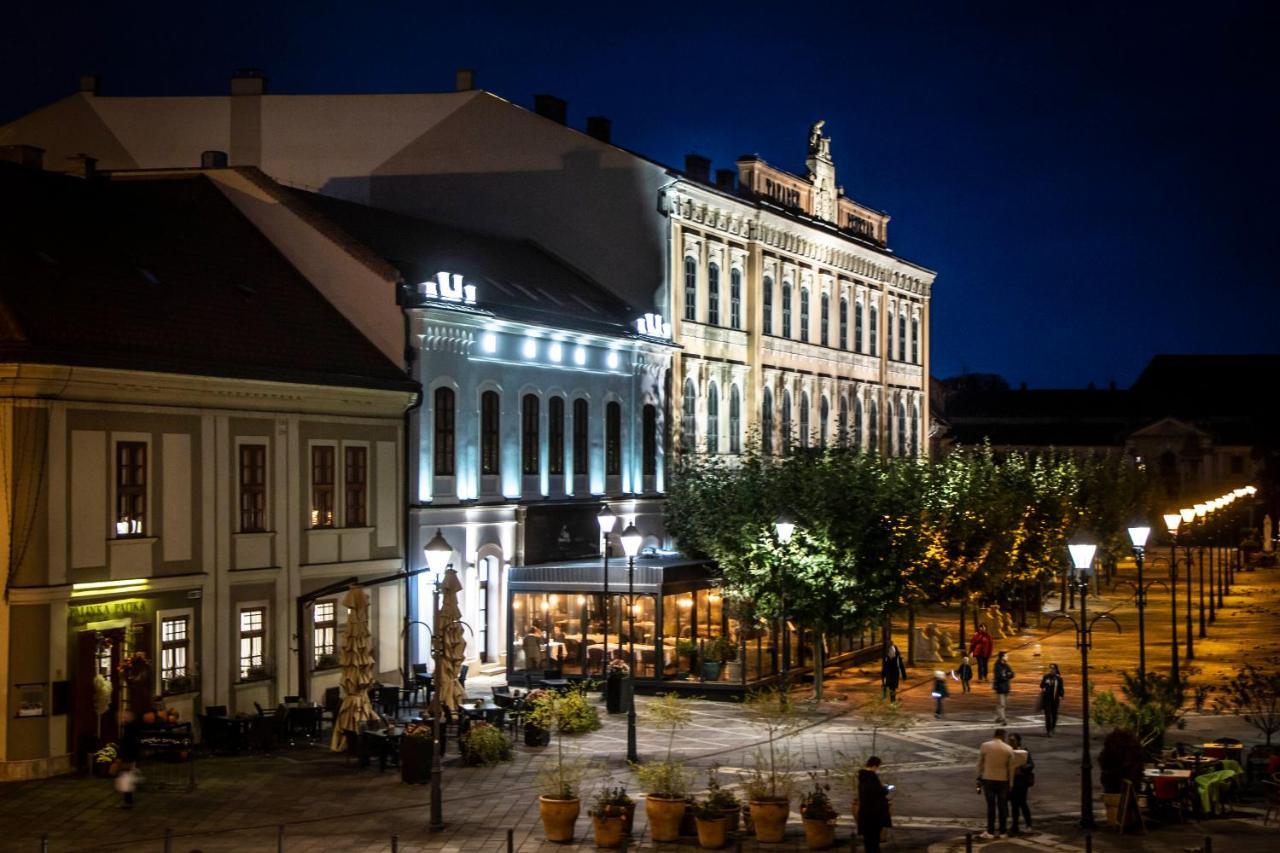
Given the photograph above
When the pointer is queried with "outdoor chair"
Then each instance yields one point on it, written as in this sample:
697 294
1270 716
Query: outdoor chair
1271 798
292 700
332 702
262 733
462 674
357 748
387 700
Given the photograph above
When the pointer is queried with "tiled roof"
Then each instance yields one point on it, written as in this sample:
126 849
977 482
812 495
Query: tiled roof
163 274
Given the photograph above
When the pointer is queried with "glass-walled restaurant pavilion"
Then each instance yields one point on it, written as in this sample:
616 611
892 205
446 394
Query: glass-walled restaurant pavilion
675 630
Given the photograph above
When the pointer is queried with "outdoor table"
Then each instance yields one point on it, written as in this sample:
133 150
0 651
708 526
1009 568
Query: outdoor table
1170 773
384 741
1198 763
1233 751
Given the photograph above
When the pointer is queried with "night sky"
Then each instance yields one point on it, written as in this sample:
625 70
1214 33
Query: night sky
1092 183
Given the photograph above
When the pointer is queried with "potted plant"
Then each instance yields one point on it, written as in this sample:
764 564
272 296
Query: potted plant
608 819
687 652
485 745
534 734
714 655
326 662
722 799
666 784
616 798
618 687
1121 760
416 748
818 814
561 714
769 789
711 825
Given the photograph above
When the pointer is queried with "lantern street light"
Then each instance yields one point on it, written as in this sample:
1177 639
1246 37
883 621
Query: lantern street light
1082 551
631 541
1172 521
606 519
1138 533
784 528
439 555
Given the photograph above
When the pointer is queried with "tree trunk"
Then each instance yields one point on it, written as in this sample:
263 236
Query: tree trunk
819 662
911 635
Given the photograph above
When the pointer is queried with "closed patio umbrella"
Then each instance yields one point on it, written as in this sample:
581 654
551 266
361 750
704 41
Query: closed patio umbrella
357 668
453 644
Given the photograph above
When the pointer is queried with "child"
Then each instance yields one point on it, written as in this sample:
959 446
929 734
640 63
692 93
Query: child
966 674
939 692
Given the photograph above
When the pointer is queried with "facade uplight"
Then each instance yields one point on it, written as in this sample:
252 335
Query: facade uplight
530 348
613 361
579 356
489 342
555 352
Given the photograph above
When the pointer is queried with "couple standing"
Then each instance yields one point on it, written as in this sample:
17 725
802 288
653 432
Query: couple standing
1006 773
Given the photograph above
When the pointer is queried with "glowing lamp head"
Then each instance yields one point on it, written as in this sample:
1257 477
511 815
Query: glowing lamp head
438 552
1171 521
1239 492
606 519
1188 515
1082 551
1201 509
785 527
1250 491
632 539
1138 534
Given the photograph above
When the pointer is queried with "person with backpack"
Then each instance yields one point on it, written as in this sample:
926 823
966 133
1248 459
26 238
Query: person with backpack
1024 776
1002 675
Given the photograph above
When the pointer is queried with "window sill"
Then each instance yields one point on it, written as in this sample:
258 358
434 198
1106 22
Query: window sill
244 682
323 669
258 534
132 540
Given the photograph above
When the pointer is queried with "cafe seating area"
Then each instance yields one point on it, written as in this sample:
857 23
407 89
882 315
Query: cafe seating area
1197 782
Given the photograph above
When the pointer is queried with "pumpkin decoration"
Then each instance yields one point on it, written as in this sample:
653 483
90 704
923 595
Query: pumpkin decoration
173 715
149 718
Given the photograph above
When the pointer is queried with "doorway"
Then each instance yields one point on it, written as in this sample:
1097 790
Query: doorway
96 652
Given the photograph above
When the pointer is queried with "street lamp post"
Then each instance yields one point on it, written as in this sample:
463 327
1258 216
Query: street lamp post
1138 534
439 554
784 527
1201 510
1173 522
631 540
1082 559
606 519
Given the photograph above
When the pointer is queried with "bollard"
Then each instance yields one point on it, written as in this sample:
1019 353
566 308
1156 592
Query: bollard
511 841
1088 842
968 842
280 839
395 843
44 843
626 842
168 840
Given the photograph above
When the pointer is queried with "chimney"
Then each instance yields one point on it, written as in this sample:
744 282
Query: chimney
599 127
698 167
213 159
83 166
549 106
24 155
725 179
249 81
89 83
464 80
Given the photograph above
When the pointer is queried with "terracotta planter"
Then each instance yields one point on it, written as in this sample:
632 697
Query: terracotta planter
730 819
558 817
664 817
770 820
1112 804
608 830
711 833
819 833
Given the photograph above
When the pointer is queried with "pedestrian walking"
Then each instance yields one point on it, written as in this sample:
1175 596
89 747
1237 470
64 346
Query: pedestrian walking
892 671
995 770
127 777
980 646
1051 697
1024 776
939 692
966 674
873 805
1001 676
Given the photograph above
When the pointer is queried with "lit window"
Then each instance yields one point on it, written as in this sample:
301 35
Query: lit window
174 644
324 633
322 484
131 488
253 635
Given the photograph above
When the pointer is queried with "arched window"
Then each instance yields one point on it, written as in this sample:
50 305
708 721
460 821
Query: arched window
689 419
786 421
825 319
713 294
786 310
804 419
915 430
529 434
844 323
915 340
555 435
444 432
768 305
857 327
490 416
842 435
902 428
824 413
613 439
857 423
581 436
804 314
735 420
735 299
872 333
902 335
713 418
690 289
650 440
766 422
873 427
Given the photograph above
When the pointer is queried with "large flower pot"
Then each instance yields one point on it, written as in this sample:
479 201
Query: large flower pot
819 833
711 833
711 670
730 819
617 694
415 760
558 817
1112 804
770 819
664 817
608 830
536 735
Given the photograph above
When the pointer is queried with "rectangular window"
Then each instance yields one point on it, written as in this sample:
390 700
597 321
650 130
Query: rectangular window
174 644
650 440
735 299
824 335
356 486
915 340
690 289
489 423
581 446
324 628
857 327
444 432
713 294
322 471
613 439
786 310
768 305
131 488
529 434
844 324
555 435
804 314
253 636
253 488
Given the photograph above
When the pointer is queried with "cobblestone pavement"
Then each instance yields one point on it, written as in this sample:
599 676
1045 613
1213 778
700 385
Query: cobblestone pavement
327 804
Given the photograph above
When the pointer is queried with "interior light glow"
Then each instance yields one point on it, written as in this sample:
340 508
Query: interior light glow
489 342
82 590
582 600
530 348
684 603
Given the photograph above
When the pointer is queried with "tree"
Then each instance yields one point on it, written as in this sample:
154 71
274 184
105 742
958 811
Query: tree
1254 694
1148 710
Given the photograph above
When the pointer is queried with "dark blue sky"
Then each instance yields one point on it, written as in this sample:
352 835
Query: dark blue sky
1093 183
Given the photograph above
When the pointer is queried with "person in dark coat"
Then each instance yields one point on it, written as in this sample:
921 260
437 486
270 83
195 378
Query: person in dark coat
1001 676
1024 776
1051 697
892 671
966 674
873 805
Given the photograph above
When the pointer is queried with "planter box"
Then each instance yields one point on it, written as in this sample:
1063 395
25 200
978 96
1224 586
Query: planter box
415 760
618 693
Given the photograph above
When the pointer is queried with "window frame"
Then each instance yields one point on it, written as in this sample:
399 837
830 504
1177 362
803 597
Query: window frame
613 439
324 496
490 433
555 436
581 436
649 440
804 314
530 451
166 673
131 498
248 491
824 312
785 426
902 335
318 625
766 421
713 293
713 417
915 338
689 417
735 298
767 304
355 484
804 419
844 323
858 336
735 419
690 313
873 331
786 309
444 401
259 634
